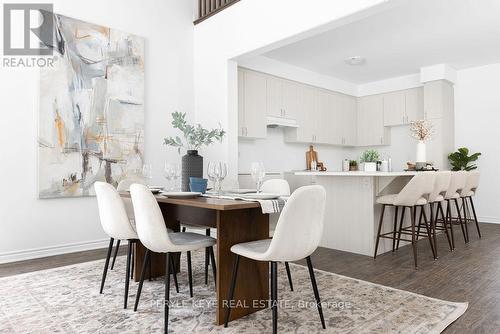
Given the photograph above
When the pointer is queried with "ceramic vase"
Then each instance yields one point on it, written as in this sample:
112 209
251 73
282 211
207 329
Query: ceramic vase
192 166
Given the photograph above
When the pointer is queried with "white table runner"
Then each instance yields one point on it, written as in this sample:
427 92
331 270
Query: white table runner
267 205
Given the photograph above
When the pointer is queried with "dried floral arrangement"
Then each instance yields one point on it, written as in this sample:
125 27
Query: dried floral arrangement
421 130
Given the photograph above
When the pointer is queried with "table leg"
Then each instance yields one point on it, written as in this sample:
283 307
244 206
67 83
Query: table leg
252 286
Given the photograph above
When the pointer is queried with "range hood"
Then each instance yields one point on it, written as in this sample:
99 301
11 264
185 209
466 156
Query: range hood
274 122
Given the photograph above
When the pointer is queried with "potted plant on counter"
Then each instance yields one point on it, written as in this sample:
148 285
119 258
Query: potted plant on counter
461 160
369 159
353 165
195 136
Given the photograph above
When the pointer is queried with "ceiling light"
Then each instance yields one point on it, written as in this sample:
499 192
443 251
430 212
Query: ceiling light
355 60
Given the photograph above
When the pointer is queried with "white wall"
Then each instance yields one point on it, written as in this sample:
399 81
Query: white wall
30 227
477 121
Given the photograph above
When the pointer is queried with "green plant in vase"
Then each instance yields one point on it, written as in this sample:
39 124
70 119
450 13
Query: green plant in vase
369 159
461 160
353 165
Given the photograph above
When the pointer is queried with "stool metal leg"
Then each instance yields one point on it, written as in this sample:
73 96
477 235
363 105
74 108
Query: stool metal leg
174 272
429 235
475 216
289 275
190 274
395 229
414 241
448 221
316 292
231 288
445 225
145 264
127 273
116 253
464 230
106 264
403 208
381 220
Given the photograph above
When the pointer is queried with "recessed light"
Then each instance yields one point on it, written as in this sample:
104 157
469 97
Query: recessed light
355 60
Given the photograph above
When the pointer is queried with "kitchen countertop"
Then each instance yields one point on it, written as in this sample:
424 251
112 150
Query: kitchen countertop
358 173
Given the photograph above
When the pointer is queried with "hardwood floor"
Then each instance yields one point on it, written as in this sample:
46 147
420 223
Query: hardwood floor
471 273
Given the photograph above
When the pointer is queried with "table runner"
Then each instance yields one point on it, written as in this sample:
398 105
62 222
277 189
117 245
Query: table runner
267 206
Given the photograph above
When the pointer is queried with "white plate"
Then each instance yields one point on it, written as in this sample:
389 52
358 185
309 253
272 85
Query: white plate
261 196
241 191
180 194
155 187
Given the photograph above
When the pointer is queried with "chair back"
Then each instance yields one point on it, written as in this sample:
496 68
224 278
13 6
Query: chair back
114 219
441 185
124 185
300 225
276 186
421 185
457 183
149 220
471 184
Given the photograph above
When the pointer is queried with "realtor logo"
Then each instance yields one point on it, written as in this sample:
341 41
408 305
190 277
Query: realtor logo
27 29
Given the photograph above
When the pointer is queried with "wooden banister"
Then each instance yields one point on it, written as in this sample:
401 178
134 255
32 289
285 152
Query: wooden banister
208 8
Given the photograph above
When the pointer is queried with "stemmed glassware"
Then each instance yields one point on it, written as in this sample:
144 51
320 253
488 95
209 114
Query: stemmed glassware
217 172
171 172
147 173
258 173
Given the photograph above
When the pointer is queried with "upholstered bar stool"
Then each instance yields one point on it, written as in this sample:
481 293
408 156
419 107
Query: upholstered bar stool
457 183
413 196
466 194
154 235
293 240
436 199
282 188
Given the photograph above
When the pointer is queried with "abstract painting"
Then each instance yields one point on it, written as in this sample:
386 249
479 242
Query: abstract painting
91 115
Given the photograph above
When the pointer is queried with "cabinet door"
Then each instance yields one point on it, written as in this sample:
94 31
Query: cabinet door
349 120
274 97
371 121
322 118
305 111
414 100
335 119
290 97
255 101
394 108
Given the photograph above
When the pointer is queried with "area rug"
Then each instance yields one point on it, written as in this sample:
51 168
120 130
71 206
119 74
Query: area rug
67 300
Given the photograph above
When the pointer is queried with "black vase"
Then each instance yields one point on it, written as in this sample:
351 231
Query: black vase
192 166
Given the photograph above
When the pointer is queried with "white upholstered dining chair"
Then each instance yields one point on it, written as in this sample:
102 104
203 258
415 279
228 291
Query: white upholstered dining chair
293 240
154 235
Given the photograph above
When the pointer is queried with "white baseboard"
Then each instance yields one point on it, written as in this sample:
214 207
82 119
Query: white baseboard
35 253
491 220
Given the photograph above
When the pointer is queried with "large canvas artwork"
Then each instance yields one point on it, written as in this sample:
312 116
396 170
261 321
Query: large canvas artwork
91 117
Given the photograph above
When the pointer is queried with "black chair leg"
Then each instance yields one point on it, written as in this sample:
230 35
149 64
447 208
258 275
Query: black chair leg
379 230
475 217
448 221
316 292
289 275
274 295
207 258
445 225
464 230
132 263
116 253
127 273
190 274
214 266
433 229
401 221
395 227
145 264
174 272
167 292
231 288
106 264
466 218
414 240
429 234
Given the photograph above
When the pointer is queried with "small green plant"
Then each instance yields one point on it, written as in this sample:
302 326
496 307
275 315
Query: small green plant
195 136
461 160
353 163
370 156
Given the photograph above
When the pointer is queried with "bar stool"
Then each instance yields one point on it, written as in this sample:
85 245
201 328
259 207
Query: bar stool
413 196
154 235
282 188
293 240
436 199
467 193
457 183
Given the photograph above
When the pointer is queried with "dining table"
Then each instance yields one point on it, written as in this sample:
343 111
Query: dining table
236 221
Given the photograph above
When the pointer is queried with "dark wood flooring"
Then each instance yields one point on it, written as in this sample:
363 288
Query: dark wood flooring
471 273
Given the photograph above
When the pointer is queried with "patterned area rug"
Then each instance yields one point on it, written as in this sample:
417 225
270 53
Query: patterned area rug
67 300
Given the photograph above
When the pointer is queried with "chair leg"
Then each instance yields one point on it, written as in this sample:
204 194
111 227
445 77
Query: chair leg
184 229
381 220
141 282
429 234
231 288
466 217
106 264
167 292
413 211
316 292
395 229
174 272
214 266
116 253
274 295
420 223
207 257
289 275
433 229
475 216
460 220
127 273
448 221
401 221
149 271
132 263
445 225
190 274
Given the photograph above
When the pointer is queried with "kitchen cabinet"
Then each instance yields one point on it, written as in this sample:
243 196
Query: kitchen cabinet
414 104
282 98
438 99
402 107
252 104
371 130
348 114
305 115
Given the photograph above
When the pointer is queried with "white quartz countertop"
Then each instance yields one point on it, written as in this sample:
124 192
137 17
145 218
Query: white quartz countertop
359 173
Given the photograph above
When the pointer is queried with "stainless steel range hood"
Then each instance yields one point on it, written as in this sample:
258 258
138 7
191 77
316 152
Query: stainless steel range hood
274 122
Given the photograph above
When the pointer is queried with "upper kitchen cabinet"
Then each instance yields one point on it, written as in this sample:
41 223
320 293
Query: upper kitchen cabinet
414 104
348 113
252 104
402 107
371 130
438 99
282 97
305 114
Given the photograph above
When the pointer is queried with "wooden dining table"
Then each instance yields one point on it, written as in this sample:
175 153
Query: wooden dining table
236 221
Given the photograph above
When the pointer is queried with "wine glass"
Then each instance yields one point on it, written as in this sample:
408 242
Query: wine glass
221 173
211 173
147 173
168 173
258 173
176 174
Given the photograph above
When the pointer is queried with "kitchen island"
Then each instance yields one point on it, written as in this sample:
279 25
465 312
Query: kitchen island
352 215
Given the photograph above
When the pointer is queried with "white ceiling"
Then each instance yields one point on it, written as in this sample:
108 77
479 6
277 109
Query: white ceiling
461 33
